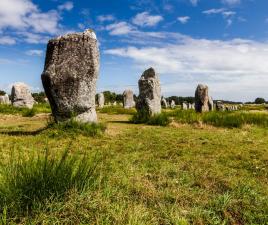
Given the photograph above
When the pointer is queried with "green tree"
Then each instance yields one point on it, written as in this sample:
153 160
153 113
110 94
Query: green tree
259 100
2 93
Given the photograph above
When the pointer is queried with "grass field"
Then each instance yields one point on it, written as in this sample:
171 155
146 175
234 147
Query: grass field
184 173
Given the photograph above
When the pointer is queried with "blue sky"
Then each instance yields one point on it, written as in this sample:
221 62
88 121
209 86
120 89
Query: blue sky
221 43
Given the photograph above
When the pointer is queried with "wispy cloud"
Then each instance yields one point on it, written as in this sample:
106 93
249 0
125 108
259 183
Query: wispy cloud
7 40
194 2
231 2
119 28
183 19
68 6
34 52
104 18
144 19
227 14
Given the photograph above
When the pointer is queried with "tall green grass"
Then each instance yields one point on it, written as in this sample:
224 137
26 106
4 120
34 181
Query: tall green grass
37 108
221 119
117 110
28 184
160 119
75 127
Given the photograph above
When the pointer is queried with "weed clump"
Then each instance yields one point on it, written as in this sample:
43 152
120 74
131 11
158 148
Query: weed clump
29 112
30 183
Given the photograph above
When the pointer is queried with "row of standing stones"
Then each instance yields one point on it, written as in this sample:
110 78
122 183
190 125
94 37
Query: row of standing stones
69 79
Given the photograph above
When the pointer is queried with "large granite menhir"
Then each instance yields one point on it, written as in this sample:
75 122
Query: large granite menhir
202 98
21 96
149 100
128 99
70 76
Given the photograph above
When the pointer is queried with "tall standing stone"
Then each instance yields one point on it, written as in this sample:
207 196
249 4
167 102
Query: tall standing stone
70 76
101 100
149 100
21 96
128 99
201 98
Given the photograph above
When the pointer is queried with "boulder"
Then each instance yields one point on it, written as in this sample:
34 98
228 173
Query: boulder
149 99
201 98
164 103
172 104
101 100
128 99
21 96
70 76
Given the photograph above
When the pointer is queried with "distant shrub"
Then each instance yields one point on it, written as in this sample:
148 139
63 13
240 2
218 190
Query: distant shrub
161 119
75 127
117 110
30 183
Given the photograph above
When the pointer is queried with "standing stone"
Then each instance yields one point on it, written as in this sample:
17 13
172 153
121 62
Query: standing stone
184 106
210 104
164 103
70 76
4 99
201 98
149 100
172 104
21 96
101 100
128 99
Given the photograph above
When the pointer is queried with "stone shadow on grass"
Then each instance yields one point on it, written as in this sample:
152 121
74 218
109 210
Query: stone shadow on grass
24 133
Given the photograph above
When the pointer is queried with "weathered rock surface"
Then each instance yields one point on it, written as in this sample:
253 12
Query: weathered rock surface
4 99
21 96
172 104
101 100
128 99
149 100
201 98
70 76
164 103
220 106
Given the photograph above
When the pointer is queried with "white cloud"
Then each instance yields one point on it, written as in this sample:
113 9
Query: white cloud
7 40
239 63
119 28
144 19
68 6
34 52
214 11
194 2
231 2
104 18
183 19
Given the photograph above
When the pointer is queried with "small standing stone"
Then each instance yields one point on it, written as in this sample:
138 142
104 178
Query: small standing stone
4 99
210 104
172 104
164 103
184 106
21 96
128 99
101 100
149 100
